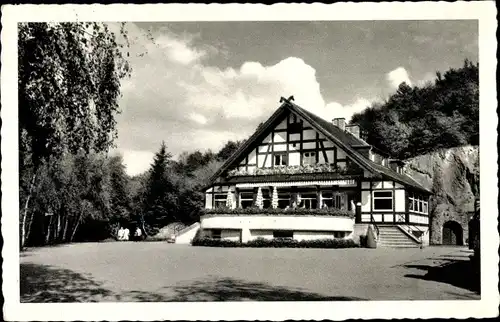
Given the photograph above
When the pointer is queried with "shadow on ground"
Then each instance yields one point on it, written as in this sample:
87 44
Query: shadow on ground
41 283
461 273
229 289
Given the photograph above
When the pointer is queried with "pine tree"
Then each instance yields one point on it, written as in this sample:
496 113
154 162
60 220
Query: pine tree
161 192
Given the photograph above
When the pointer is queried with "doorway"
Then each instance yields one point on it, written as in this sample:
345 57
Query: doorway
452 234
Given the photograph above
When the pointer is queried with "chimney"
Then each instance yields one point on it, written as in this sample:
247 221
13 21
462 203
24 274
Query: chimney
396 165
339 122
353 129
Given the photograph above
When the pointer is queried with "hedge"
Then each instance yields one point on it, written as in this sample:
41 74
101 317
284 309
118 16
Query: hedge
278 243
278 211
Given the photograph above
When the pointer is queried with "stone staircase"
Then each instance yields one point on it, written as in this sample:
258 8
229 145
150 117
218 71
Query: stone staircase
392 236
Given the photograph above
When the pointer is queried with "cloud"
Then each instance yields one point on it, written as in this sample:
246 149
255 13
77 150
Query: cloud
136 161
398 76
335 109
198 118
174 96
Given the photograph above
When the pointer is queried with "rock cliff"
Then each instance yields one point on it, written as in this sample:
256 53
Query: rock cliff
453 177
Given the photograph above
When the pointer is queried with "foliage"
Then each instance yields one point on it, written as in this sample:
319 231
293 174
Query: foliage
279 211
68 90
278 243
228 150
161 199
417 120
69 85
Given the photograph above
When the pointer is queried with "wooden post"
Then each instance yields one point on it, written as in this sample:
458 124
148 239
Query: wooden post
358 213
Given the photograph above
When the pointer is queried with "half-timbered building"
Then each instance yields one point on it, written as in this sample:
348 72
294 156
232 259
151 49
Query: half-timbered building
300 176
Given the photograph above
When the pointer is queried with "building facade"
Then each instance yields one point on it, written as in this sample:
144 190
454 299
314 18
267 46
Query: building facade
302 177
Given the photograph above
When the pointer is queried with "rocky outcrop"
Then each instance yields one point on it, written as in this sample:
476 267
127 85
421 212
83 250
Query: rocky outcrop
453 177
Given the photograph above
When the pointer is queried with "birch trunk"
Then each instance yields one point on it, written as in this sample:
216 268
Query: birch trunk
58 229
25 212
28 231
76 226
65 229
47 237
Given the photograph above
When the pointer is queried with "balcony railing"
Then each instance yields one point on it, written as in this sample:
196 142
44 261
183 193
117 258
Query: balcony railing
290 170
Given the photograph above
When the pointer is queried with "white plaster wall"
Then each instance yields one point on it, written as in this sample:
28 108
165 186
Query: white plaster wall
327 144
388 218
279 147
309 134
388 184
329 155
279 137
309 223
377 217
419 219
295 137
321 158
377 185
294 158
399 200
365 185
312 235
365 200
208 201
263 148
251 157
282 125
341 154
309 145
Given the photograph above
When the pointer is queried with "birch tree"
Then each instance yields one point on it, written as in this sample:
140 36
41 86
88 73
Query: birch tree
68 88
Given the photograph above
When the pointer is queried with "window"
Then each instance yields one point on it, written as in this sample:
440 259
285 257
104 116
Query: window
266 198
333 200
280 159
216 234
339 234
283 199
309 158
382 200
220 200
418 204
308 201
246 199
283 234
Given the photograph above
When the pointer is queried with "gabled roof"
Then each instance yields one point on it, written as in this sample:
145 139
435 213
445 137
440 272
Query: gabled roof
343 139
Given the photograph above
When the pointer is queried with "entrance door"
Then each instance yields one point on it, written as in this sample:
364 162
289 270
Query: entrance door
452 233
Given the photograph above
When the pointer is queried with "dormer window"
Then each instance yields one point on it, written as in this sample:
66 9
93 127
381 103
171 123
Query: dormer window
280 159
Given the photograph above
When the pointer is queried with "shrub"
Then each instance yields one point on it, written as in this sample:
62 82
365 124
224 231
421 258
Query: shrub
278 243
278 211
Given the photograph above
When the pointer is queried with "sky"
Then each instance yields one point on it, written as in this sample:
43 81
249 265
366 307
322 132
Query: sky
196 85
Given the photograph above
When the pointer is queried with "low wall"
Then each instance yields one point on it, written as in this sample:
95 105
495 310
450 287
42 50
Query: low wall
186 235
255 226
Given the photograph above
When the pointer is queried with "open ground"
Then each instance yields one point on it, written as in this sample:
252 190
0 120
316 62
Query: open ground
157 271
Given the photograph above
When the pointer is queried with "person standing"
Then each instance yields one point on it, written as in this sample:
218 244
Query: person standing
126 234
138 234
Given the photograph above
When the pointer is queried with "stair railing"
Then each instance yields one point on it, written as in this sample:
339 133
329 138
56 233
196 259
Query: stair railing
372 221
